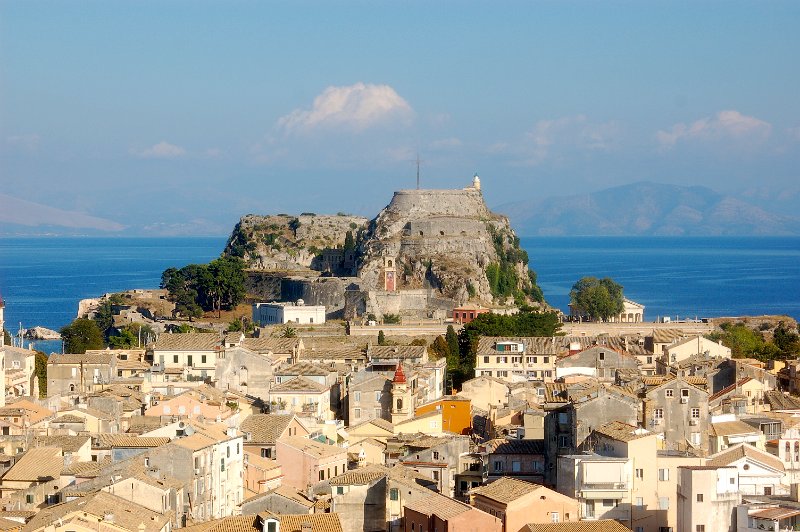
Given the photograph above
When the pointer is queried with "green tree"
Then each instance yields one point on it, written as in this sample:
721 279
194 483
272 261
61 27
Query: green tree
438 349
381 338
743 341
80 335
124 339
597 299
349 241
223 285
104 315
786 340
40 369
288 332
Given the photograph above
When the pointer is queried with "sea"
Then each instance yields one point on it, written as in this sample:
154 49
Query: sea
42 279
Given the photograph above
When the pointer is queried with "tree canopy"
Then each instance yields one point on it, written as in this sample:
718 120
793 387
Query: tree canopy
80 335
597 299
198 287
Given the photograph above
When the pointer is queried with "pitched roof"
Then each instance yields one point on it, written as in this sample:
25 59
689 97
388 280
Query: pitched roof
502 446
779 401
361 476
36 464
81 358
68 444
667 336
437 504
601 525
506 489
303 368
265 428
312 447
729 389
130 441
394 352
127 515
377 422
622 431
274 345
187 342
298 384
731 428
743 450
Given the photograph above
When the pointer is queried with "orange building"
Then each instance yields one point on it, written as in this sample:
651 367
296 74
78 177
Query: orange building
456 413
467 313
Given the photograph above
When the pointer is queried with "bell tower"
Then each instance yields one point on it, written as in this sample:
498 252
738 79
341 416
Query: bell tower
401 396
389 275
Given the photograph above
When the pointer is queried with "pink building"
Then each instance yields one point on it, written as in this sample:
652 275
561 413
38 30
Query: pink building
307 462
444 514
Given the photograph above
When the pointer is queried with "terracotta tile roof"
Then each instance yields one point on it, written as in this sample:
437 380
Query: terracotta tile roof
506 489
378 422
436 504
743 450
274 345
298 384
303 368
601 525
264 428
622 431
334 353
68 418
361 476
37 464
86 469
201 439
667 336
320 522
312 447
7 525
503 446
130 441
394 352
85 358
775 513
127 515
68 444
731 428
187 342
780 401
728 389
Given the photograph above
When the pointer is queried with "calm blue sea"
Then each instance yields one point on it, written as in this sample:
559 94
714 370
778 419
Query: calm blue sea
42 279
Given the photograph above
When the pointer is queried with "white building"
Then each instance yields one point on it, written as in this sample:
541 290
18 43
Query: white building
279 313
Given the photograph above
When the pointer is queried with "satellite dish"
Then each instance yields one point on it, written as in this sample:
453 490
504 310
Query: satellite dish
189 430
181 424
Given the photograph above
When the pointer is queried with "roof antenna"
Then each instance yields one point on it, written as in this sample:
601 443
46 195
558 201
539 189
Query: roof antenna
418 161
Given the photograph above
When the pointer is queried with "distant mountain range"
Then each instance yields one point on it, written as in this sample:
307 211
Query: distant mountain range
22 217
646 209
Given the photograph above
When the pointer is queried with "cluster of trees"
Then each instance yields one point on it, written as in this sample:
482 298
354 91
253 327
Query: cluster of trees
745 342
597 299
205 287
503 275
461 349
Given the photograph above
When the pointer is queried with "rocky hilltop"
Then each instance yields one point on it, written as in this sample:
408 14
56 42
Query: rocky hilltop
289 243
450 241
446 243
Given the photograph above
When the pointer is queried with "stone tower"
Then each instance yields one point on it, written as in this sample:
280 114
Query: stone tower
402 408
389 275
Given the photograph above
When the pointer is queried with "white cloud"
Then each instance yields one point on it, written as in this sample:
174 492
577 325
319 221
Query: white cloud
28 142
553 138
355 107
726 125
162 150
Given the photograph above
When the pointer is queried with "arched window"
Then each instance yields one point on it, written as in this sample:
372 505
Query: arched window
72 387
399 404
389 263
788 451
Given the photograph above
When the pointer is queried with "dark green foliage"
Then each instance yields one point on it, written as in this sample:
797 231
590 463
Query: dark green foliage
349 241
451 338
381 338
597 299
391 318
504 281
438 349
419 342
241 324
787 341
288 332
104 315
40 369
198 287
80 335
124 339
240 244
523 324
6 337
294 225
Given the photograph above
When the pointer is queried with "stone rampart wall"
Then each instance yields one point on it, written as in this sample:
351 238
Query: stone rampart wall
463 203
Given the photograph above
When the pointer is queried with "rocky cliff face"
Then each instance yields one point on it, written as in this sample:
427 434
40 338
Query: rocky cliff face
446 240
286 243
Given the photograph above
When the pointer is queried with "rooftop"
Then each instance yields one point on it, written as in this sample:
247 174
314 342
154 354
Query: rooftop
187 342
506 489
265 428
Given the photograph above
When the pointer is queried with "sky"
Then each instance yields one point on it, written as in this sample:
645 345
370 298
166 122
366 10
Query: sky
181 116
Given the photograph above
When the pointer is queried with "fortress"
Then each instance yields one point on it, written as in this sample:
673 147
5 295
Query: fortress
423 254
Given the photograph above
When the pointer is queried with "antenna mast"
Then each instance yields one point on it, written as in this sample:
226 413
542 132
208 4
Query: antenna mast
417 170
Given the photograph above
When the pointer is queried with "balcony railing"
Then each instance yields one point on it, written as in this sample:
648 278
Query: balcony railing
604 486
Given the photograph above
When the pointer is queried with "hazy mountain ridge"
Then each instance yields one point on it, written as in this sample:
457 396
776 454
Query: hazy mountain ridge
646 209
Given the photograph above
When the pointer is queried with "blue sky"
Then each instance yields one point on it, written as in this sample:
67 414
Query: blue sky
182 116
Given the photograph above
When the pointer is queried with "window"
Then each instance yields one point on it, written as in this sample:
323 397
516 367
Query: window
640 473
649 360
670 393
378 412
29 498
394 494
435 475
695 413
515 466
695 438
378 396
639 502
665 529
203 359
222 464
554 517
700 528
658 413
266 453
767 490
546 360
357 397
228 451
175 359
339 490
609 503
321 474
485 360
699 497
663 503
663 474
733 480
357 413
498 466
435 455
